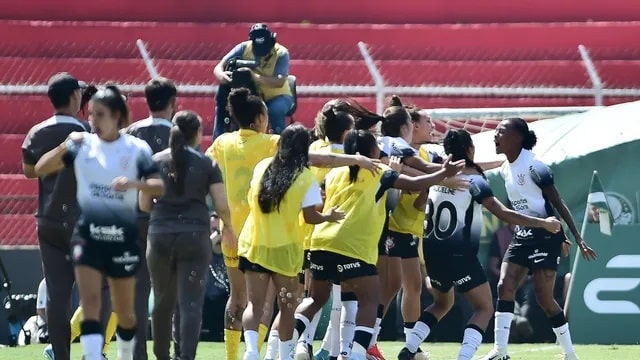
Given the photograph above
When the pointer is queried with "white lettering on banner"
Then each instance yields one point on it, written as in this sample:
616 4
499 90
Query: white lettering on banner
596 286
106 233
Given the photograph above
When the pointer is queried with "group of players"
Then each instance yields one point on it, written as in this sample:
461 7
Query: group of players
354 231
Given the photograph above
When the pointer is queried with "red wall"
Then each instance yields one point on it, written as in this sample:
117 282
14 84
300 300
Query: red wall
325 11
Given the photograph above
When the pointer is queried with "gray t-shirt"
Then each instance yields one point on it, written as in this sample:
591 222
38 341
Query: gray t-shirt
57 192
155 131
186 211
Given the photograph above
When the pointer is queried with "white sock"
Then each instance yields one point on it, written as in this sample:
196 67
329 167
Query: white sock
418 334
272 345
251 341
501 330
407 333
470 343
311 330
376 332
125 348
305 322
564 338
92 346
286 349
331 340
347 326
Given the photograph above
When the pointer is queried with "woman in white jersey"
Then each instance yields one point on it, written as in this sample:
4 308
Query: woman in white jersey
110 169
451 246
531 191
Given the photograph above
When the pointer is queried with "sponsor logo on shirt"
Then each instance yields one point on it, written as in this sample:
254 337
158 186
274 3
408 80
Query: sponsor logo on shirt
349 266
106 233
520 205
104 192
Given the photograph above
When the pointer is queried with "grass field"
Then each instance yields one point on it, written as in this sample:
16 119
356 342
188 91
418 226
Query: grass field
215 351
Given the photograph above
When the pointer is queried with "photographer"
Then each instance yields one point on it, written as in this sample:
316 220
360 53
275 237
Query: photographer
269 75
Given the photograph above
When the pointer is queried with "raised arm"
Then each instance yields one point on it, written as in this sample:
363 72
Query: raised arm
54 160
498 209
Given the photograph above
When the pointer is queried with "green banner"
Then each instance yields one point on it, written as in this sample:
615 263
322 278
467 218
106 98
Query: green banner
605 301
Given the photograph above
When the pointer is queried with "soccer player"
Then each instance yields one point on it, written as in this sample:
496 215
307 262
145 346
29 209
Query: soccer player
531 190
451 248
346 251
110 169
269 243
237 154
180 250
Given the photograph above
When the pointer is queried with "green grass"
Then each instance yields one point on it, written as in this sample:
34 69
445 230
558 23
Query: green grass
215 351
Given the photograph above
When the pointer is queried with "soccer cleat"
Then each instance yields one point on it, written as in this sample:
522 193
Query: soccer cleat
48 353
421 355
405 354
375 352
321 354
302 351
496 354
571 356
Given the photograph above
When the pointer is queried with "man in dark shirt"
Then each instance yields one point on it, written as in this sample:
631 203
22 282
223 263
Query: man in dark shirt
161 99
57 206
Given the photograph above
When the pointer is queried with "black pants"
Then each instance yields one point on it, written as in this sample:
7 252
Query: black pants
179 269
55 250
143 288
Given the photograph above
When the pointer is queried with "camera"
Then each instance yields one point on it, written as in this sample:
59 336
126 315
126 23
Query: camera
241 78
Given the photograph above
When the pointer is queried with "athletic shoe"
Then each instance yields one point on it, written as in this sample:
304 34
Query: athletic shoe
375 352
420 355
405 354
322 354
496 354
48 352
302 351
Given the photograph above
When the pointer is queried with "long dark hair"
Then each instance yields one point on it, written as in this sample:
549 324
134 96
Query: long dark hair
244 107
364 118
457 143
111 97
185 128
332 124
529 138
291 158
358 141
395 117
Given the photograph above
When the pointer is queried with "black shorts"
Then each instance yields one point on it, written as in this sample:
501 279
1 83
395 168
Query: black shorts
326 265
245 265
446 270
535 248
113 259
305 266
401 245
384 237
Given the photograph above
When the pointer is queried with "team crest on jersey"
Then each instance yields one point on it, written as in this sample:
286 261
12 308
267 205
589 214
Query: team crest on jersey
520 179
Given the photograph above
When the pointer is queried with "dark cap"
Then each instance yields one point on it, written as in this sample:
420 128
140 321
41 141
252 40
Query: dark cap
64 84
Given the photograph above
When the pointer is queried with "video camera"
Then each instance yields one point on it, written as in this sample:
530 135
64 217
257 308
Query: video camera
241 78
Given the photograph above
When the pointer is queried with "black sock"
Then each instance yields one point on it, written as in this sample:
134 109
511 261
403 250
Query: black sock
126 334
505 306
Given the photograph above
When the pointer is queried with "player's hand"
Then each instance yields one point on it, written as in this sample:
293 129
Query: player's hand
552 225
74 138
226 77
395 163
334 215
452 168
122 183
586 252
367 163
456 183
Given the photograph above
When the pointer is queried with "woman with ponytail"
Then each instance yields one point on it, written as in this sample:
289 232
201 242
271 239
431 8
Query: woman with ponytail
111 168
531 190
450 247
179 249
269 245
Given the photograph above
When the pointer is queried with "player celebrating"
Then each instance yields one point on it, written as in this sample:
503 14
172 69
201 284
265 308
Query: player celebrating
110 169
451 248
531 190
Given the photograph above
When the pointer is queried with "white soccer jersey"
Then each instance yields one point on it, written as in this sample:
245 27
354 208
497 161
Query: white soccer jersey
454 217
524 180
108 215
